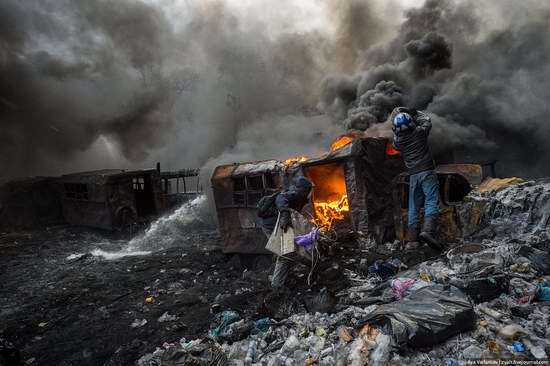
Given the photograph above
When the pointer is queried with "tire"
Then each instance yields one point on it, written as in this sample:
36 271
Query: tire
125 217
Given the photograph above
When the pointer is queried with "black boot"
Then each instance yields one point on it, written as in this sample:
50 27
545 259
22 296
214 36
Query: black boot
427 235
414 243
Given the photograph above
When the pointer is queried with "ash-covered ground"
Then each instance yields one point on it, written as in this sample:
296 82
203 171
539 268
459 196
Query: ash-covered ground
74 297
70 295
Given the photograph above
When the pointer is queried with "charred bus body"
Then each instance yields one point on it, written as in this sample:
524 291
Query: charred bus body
366 173
359 173
111 199
457 218
237 189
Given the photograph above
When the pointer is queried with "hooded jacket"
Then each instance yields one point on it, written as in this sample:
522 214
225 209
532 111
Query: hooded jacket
413 144
295 198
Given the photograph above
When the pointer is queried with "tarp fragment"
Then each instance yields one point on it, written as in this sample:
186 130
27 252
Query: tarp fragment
427 317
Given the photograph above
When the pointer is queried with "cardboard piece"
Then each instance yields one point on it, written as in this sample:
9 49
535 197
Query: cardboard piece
283 244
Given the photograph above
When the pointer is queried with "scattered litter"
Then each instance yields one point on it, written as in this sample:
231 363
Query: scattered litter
543 292
518 347
429 306
472 352
386 268
512 332
405 286
307 241
138 323
167 318
227 317
320 332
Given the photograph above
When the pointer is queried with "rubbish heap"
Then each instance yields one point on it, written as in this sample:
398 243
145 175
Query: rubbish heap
485 299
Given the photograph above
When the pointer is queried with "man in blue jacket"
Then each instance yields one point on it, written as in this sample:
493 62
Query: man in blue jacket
295 198
411 129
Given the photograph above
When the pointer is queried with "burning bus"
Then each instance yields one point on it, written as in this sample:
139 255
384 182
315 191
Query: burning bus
361 185
353 190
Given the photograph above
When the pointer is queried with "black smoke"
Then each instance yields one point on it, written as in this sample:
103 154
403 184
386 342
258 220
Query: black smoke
71 72
480 70
124 83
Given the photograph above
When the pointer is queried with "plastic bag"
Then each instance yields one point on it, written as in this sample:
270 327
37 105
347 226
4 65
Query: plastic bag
403 286
227 318
385 268
324 302
543 292
307 241
426 317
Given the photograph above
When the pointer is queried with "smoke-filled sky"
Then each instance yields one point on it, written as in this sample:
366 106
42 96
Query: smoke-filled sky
125 83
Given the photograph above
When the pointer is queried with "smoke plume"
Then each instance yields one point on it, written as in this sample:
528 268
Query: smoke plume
125 83
481 71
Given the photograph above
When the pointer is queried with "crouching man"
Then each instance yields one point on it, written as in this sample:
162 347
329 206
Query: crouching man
295 198
411 129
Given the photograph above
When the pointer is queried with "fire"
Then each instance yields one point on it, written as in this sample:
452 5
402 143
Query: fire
342 141
330 198
327 212
390 150
292 161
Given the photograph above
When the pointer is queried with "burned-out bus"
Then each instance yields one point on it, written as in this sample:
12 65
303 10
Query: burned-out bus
359 173
111 199
361 186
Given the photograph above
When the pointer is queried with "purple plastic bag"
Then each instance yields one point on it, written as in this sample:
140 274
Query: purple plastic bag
307 241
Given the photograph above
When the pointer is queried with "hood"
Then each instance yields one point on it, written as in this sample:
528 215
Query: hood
303 185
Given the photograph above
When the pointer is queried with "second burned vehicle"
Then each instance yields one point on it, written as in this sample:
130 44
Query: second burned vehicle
109 199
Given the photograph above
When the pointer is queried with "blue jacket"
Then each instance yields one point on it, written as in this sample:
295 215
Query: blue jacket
295 198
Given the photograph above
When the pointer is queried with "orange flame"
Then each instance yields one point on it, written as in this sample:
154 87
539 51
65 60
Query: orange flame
292 161
327 212
342 141
330 199
390 150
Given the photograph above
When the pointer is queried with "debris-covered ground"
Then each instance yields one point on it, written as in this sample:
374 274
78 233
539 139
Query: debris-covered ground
73 297
170 297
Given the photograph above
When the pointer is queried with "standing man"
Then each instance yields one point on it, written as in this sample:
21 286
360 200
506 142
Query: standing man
295 199
411 129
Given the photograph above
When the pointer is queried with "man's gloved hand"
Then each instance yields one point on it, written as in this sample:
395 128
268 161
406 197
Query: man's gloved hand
286 222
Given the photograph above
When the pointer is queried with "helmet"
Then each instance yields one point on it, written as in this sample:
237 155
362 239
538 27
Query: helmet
402 122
